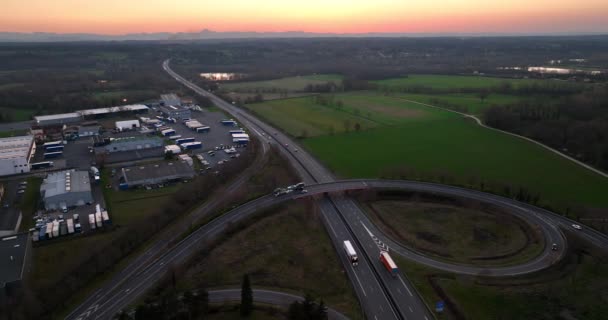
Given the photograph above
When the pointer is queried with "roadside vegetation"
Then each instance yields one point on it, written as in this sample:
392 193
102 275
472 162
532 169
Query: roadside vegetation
456 230
571 289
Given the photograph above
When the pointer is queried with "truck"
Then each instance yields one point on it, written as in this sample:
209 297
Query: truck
105 217
279 192
95 174
63 228
351 253
49 230
236 131
203 129
175 137
70 224
168 132
92 221
77 228
41 165
388 263
192 145
98 219
184 140
50 155
54 148
229 122
52 144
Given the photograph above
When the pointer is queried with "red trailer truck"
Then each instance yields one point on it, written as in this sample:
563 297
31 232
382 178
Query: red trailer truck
388 263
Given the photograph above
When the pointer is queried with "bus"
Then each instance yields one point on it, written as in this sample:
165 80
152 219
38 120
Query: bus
41 165
184 140
175 137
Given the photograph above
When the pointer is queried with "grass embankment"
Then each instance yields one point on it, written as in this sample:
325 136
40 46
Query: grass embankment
398 136
457 233
290 84
286 249
572 289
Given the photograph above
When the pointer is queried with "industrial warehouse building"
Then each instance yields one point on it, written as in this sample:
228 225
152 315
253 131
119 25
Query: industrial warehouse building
158 173
65 189
176 112
131 143
15 154
74 117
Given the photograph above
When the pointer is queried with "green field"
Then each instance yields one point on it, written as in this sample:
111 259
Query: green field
17 114
402 135
450 82
469 102
283 84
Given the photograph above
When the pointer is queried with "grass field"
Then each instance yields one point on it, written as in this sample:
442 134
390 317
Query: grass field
454 233
399 135
284 84
287 250
18 114
450 82
29 202
470 103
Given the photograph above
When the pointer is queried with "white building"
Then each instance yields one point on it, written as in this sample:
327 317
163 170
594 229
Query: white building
15 154
127 125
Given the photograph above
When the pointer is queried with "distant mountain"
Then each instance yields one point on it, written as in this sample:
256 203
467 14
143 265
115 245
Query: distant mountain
210 34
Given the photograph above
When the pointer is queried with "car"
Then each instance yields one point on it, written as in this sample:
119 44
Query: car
21 191
554 247
295 150
577 227
216 148
211 152
286 145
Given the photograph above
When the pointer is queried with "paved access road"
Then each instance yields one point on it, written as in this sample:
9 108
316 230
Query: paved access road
276 298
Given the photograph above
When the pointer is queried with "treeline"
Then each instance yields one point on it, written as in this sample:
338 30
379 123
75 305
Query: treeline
171 306
576 125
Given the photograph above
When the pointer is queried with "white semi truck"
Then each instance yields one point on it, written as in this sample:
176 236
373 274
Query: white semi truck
351 253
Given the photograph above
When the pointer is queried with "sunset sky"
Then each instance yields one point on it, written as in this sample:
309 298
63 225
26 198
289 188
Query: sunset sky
339 16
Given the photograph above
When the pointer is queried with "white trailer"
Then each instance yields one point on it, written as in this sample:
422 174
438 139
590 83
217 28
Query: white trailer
98 219
70 224
92 221
351 253
49 230
105 217
55 228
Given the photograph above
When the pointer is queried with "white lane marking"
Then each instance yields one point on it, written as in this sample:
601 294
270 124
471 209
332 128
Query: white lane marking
399 290
408 289
359 281
377 317
425 318
381 308
412 311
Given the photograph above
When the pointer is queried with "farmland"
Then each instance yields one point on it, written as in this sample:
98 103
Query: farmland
398 136
450 82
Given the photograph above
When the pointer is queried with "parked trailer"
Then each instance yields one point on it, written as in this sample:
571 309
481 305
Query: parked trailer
351 253
203 129
192 145
41 165
70 224
55 229
229 123
236 131
92 221
168 132
240 141
184 140
98 219
175 137
63 228
42 233
52 144
388 263
54 148
105 217
49 230
50 155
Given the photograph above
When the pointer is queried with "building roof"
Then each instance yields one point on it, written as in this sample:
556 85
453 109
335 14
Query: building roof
13 250
171 99
152 139
127 123
15 147
130 107
59 116
157 172
63 182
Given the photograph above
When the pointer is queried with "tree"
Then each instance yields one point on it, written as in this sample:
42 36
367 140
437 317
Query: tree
357 127
483 95
246 297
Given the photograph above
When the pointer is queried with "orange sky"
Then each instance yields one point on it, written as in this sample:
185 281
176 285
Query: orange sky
341 16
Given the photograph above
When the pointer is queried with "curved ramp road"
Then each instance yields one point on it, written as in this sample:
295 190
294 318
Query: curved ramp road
266 296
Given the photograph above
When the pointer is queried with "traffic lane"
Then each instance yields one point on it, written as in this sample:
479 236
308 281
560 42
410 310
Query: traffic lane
409 303
374 302
266 296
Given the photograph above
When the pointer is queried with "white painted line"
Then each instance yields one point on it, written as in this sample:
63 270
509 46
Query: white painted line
377 317
382 309
408 289
399 290
412 311
360 285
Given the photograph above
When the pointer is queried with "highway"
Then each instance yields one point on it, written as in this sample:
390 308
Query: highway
381 296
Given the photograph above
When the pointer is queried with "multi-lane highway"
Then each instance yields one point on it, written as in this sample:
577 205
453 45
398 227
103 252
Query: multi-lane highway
381 296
